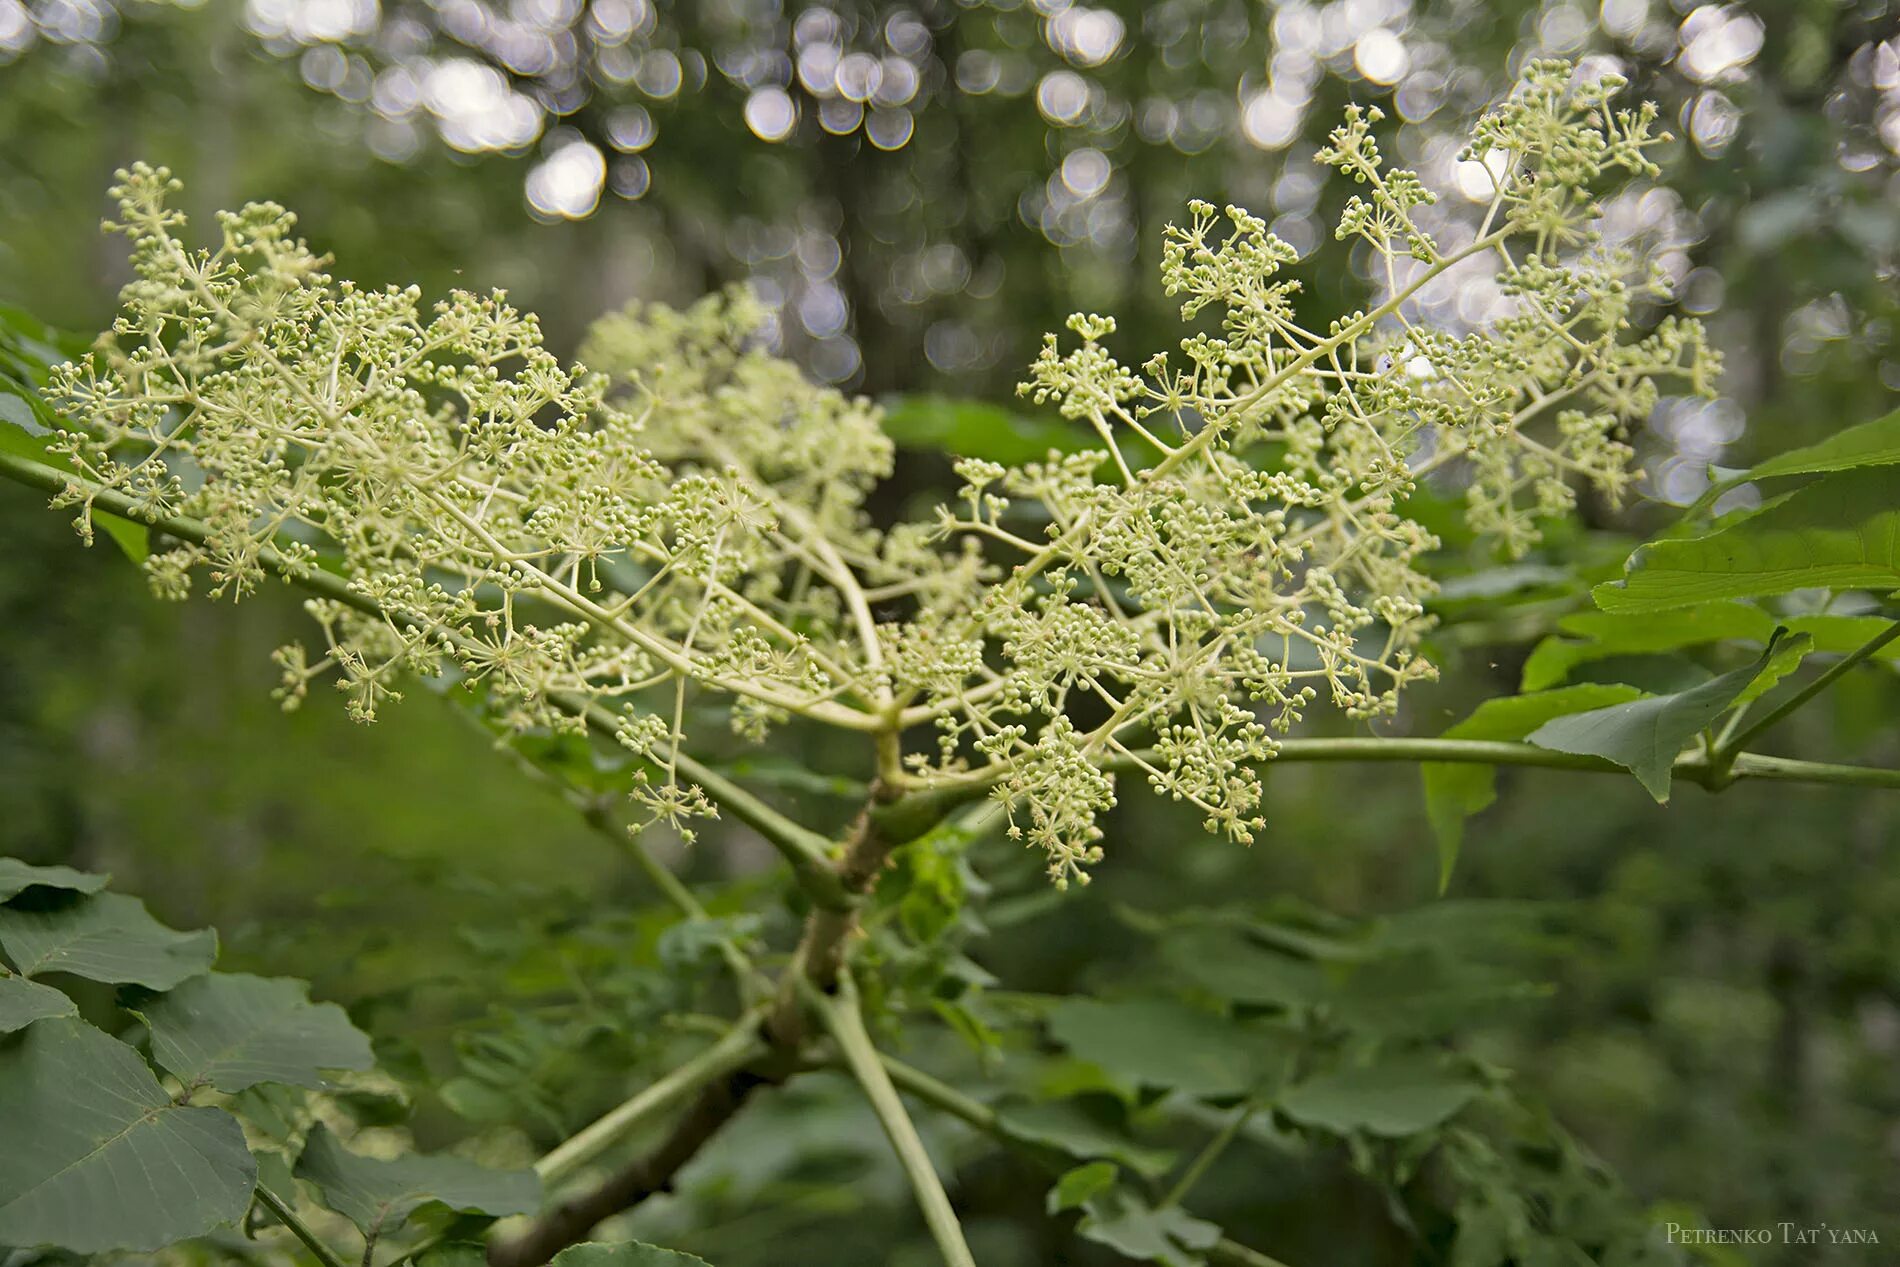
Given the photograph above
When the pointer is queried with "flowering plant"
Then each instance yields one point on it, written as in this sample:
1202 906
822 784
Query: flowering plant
680 527
685 516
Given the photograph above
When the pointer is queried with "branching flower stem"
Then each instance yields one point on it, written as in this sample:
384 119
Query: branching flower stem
910 815
807 851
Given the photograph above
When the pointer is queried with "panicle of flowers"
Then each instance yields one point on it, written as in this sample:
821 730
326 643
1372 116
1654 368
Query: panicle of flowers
1239 549
690 518
500 518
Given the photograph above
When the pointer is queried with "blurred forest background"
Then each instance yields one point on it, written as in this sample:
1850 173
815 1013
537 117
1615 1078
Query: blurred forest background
919 191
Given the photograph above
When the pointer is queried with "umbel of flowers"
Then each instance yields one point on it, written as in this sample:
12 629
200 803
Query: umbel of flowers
682 522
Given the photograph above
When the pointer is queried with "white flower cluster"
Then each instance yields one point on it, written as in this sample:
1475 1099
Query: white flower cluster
689 519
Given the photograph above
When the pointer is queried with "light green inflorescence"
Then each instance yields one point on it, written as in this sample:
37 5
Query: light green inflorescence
686 524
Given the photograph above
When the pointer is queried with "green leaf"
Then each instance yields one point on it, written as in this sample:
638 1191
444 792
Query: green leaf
97 1156
22 1002
624 1254
1840 532
1875 443
1602 635
16 877
1644 736
1079 1186
1132 1228
1426 993
976 429
1838 635
234 1031
1159 1042
1787 656
1606 634
1456 791
1069 1128
378 1195
102 937
1395 1098
1228 963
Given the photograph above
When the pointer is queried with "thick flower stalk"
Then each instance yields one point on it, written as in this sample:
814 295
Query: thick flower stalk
685 522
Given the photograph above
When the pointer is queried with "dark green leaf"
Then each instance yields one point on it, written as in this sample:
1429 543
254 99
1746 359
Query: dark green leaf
233 1031
624 1254
1132 1228
1840 532
378 1195
1421 992
1454 792
1644 736
1228 963
22 1002
103 937
97 1156
16 877
1068 1127
1077 1187
1599 635
1160 1042
1399 1097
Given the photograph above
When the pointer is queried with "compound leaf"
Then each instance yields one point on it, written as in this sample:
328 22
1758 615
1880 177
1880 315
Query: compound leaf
1079 1186
1600 635
1069 1128
1159 1042
1875 443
